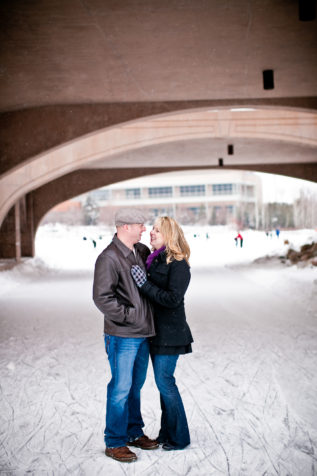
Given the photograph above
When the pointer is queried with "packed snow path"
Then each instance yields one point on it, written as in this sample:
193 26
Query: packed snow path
249 388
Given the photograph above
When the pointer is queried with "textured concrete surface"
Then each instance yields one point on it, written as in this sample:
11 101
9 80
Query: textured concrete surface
91 51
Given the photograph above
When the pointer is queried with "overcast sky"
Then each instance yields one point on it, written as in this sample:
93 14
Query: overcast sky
278 188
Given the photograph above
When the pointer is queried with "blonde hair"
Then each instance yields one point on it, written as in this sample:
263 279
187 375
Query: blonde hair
176 245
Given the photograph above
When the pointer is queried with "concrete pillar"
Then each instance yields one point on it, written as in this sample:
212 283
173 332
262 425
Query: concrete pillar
10 234
27 227
17 231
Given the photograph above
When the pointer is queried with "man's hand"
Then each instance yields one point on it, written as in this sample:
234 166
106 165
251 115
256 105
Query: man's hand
138 275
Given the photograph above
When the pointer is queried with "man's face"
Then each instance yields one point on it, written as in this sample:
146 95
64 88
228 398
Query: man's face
135 231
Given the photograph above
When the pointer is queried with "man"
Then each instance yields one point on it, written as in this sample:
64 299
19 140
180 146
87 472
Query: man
128 322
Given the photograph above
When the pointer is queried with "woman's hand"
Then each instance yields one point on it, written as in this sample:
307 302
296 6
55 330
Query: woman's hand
138 275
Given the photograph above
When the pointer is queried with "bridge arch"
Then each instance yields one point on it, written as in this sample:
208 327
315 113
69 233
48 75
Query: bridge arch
127 150
105 145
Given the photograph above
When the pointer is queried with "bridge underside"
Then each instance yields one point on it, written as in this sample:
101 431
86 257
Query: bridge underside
272 140
96 92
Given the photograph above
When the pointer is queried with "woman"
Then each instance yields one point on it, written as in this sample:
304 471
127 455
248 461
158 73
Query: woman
165 285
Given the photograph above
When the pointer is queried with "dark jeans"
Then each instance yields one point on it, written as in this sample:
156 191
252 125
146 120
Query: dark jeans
174 427
128 359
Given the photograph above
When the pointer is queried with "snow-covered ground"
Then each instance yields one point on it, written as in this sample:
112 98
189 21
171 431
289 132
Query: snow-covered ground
249 387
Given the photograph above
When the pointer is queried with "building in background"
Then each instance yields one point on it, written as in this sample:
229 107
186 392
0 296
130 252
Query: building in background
204 197
211 197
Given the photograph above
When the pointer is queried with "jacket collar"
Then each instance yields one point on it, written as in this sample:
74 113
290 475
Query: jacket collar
122 247
162 256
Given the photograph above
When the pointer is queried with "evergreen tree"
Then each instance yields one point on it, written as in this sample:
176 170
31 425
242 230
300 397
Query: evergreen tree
91 211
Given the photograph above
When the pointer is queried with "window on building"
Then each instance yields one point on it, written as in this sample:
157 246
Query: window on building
133 193
250 190
160 192
218 216
230 209
194 210
101 194
223 189
157 212
192 190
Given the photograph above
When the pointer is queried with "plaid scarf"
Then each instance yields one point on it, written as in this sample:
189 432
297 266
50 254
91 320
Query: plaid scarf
153 255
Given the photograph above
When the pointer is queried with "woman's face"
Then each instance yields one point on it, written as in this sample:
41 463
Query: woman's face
157 240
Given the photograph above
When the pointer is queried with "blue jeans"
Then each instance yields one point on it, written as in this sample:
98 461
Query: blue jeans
174 427
128 359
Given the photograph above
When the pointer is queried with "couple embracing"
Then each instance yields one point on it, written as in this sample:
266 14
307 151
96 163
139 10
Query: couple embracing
141 295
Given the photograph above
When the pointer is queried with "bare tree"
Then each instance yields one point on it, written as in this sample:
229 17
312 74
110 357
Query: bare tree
278 215
306 209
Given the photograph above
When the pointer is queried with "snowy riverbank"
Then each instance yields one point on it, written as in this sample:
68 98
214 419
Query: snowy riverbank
59 247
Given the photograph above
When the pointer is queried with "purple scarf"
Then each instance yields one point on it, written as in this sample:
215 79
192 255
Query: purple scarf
153 255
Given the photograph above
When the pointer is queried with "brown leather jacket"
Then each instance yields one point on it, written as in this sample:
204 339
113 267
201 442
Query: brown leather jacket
126 312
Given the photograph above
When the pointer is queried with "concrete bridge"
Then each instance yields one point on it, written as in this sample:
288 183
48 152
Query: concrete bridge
96 92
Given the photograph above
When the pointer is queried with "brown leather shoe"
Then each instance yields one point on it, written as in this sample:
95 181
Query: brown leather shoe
122 454
145 443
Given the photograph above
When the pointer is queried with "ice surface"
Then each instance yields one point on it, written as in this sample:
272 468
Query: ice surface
249 387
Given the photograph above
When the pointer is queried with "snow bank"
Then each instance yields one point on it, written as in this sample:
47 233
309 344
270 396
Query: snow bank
60 247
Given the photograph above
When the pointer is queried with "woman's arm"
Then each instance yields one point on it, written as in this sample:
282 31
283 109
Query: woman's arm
178 281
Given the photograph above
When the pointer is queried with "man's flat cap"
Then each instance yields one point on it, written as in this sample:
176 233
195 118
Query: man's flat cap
129 216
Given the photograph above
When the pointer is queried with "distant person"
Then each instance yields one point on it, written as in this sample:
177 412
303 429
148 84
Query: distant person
128 322
277 231
237 238
92 240
165 286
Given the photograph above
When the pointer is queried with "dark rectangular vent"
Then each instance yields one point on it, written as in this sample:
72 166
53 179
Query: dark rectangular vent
268 79
307 10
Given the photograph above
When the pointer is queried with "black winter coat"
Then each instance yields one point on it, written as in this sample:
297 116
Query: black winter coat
165 288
